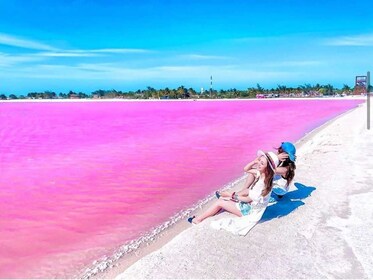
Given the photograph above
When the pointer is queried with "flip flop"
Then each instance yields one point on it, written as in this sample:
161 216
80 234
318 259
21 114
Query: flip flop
217 194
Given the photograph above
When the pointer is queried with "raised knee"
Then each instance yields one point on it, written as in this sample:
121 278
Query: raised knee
220 202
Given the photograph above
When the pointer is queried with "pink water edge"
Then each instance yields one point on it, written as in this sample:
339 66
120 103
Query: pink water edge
79 179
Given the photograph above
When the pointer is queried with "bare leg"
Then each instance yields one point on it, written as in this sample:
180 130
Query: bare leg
227 205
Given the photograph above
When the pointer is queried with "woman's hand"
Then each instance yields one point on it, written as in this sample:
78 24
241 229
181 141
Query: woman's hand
251 165
256 161
282 156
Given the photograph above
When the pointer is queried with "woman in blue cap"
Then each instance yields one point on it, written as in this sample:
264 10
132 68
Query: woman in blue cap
285 172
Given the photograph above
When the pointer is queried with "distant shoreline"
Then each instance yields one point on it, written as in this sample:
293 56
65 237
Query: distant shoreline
177 100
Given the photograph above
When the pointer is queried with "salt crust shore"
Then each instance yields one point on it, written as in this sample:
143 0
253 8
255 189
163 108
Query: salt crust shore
325 235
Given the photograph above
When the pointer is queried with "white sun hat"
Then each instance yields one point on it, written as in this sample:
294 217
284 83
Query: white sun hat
271 157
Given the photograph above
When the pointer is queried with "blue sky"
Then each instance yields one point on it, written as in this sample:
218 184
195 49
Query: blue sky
86 45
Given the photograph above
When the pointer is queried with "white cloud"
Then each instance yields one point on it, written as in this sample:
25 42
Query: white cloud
88 53
51 51
204 57
252 39
117 51
293 63
228 73
65 54
7 60
357 40
14 41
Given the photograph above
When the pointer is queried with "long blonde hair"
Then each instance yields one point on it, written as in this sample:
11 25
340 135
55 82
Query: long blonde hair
268 174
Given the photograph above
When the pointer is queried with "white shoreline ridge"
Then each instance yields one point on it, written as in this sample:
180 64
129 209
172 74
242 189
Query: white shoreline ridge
180 100
324 230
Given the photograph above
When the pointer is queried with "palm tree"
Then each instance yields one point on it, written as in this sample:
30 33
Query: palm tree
346 89
329 89
181 92
281 89
259 88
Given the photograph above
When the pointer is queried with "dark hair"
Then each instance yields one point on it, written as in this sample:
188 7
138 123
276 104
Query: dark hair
269 173
290 173
289 176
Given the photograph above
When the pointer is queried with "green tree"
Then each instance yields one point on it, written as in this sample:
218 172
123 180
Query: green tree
259 88
182 92
346 89
192 93
48 95
281 89
62 95
99 93
317 87
322 91
33 95
252 92
82 95
71 93
329 89
149 92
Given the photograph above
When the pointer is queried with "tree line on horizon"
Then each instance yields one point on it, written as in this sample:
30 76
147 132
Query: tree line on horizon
306 90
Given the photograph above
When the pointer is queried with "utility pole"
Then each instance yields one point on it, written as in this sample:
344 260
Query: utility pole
210 86
368 100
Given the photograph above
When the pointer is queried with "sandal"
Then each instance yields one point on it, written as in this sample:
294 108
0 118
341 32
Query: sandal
190 219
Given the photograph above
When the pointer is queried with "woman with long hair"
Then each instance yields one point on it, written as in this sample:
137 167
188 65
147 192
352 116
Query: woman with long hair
256 195
285 172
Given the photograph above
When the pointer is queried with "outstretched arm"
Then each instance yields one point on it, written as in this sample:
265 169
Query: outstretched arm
228 195
250 179
243 198
251 165
281 171
242 195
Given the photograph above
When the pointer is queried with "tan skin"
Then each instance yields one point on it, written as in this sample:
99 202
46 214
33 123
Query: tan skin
226 203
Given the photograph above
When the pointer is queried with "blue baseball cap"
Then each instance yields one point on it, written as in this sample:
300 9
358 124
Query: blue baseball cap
289 148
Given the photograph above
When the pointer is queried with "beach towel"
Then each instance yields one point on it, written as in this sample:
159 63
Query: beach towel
280 185
241 225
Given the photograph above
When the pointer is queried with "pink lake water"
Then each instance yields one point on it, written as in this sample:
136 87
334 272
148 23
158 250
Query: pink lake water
80 179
